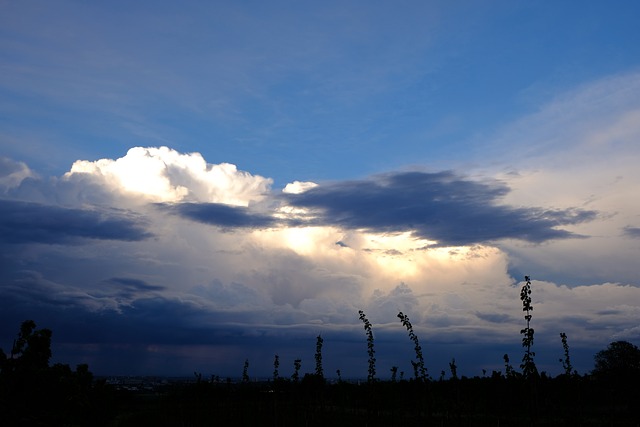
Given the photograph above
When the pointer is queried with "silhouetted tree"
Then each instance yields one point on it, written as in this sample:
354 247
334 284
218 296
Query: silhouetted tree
620 359
31 349
34 393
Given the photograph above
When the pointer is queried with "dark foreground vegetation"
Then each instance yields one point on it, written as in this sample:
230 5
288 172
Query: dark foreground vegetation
465 402
32 393
35 393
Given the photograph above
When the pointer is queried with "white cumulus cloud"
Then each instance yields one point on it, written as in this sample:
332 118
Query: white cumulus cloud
165 175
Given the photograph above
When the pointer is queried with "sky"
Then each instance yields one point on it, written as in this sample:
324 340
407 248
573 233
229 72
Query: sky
186 186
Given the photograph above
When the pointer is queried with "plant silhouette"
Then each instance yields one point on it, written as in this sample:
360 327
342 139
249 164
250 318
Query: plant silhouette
245 372
508 368
371 375
276 367
528 365
318 356
34 393
297 364
566 361
419 370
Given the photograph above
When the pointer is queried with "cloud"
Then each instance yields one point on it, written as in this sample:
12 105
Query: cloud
633 232
129 285
298 187
446 208
12 173
495 317
577 128
220 215
252 277
164 175
23 222
142 253
440 206
579 150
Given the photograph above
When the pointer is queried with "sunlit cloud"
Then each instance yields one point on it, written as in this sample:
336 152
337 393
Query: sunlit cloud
164 175
228 266
298 187
579 150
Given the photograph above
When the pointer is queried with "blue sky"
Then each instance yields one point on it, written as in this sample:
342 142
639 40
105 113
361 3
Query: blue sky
184 186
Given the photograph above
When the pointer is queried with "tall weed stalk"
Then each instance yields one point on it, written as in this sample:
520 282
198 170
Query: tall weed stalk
297 364
419 370
370 350
566 361
319 370
276 367
528 365
245 372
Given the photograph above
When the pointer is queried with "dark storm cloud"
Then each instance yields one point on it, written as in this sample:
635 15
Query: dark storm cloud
438 206
24 222
220 215
146 320
73 317
163 322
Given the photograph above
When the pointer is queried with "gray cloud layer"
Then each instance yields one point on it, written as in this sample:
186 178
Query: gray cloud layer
439 206
221 215
235 280
24 222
